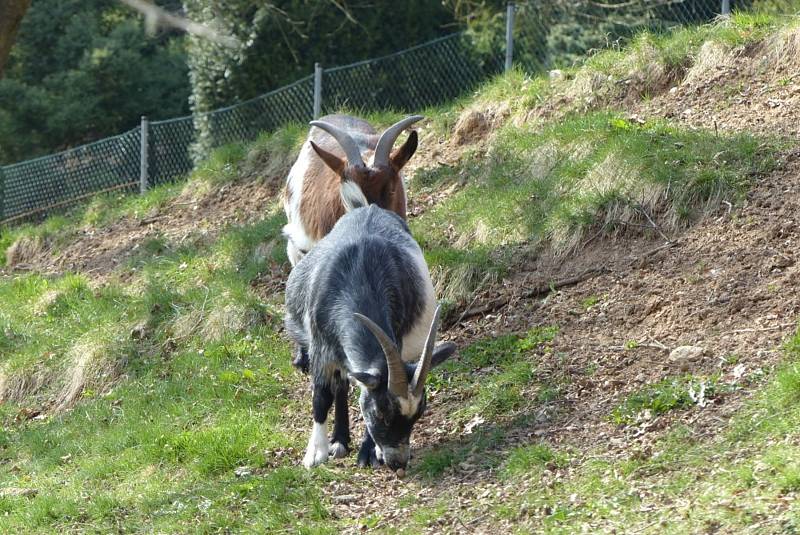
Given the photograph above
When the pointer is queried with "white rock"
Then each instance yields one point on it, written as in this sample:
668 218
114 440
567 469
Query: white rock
685 354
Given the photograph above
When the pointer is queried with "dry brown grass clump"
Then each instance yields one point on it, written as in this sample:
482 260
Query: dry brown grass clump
24 250
226 319
91 365
712 58
781 51
16 385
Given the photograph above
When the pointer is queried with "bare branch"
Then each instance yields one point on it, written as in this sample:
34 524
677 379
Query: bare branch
11 14
155 16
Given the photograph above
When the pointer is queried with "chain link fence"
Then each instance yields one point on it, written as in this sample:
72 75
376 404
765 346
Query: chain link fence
552 35
545 35
422 76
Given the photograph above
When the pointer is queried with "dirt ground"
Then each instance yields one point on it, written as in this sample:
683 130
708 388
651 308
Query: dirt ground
729 285
99 251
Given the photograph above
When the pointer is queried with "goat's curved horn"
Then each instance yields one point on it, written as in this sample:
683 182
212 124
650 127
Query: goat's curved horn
386 142
345 141
398 380
424 365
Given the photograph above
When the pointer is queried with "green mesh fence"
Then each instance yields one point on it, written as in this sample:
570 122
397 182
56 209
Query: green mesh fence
410 80
169 149
247 119
51 182
547 35
556 34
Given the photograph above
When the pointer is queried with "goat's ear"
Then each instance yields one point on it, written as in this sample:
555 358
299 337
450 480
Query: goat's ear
405 152
442 352
331 160
366 380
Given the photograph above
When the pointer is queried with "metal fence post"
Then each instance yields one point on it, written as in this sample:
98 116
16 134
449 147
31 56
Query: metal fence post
510 9
143 156
317 90
726 8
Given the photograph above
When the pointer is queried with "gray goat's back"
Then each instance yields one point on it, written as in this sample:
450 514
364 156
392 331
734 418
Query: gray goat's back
369 263
354 228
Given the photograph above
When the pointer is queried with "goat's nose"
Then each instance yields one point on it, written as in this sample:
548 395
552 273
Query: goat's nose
396 464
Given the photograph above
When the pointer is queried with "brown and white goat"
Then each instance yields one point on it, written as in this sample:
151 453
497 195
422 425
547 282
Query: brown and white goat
343 162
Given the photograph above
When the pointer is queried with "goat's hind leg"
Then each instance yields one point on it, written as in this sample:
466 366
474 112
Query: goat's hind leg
300 360
340 441
317 450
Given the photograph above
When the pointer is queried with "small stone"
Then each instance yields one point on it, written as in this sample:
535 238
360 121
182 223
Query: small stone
686 354
17 491
242 471
400 473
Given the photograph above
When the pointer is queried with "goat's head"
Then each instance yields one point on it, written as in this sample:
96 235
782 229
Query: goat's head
381 181
392 407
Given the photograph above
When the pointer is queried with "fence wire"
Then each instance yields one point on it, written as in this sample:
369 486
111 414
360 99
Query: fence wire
50 182
558 34
422 76
547 35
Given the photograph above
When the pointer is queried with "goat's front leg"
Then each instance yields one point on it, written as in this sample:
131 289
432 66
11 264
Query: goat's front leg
368 453
340 441
317 450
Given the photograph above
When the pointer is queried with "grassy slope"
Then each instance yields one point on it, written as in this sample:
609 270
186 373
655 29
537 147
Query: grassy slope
182 378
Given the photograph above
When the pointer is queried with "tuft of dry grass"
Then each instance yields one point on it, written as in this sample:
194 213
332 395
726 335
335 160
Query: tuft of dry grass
781 51
709 60
46 302
91 365
16 385
24 250
227 319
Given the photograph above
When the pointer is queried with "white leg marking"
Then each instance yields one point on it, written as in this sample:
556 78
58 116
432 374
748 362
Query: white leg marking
317 450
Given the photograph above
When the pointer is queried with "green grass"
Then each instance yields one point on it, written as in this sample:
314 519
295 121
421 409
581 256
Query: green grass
495 383
527 461
666 395
741 478
550 187
497 376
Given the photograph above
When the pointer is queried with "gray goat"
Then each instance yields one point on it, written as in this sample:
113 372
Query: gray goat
361 305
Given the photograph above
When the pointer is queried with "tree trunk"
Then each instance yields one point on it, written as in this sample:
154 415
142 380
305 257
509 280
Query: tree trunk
11 13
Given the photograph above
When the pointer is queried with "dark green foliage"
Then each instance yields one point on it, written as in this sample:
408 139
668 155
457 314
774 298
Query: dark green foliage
282 39
558 34
84 70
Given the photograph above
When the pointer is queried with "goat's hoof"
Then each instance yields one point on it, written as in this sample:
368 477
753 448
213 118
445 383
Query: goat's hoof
338 450
315 456
301 364
369 460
